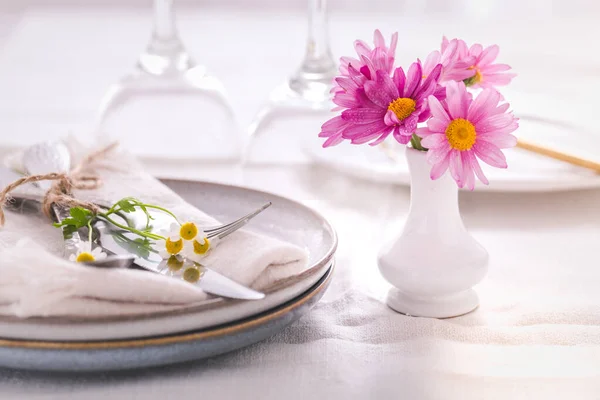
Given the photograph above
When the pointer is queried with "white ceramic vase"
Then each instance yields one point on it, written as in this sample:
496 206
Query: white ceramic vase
435 262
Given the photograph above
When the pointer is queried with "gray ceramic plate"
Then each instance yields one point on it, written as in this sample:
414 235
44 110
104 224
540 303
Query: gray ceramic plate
150 352
285 219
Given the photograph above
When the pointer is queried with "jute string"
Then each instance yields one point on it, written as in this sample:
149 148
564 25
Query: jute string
61 190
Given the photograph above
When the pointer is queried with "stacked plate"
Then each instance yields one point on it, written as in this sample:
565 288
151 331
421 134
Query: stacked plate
214 327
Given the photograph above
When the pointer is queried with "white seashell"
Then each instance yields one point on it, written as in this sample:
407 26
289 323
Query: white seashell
46 157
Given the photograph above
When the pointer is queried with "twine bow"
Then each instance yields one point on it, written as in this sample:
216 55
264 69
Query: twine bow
61 190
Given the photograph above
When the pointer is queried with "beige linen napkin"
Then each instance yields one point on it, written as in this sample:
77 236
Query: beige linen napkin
36 281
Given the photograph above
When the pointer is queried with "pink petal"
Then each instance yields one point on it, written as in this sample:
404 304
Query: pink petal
490 154
484 104
378 39
364 130
456 168
445 43
382 92
381 138
501 108
476 167
437 110
499 79
433 141
490 69
436 155
488 55
362 49
346 100
468 171
475 50
363 115
346 83
393 43
437 125
424 132
334 123
333 141
438 169
390 118
399 80
494 122
424 115
457 99
429 85
503 141
431 61
413 78
402 139
409 125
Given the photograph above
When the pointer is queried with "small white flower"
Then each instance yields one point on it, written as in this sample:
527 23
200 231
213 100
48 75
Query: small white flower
174 243
172 233
199 247
86 254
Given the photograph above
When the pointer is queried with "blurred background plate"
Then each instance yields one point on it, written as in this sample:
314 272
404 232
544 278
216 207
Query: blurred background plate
286 220
543 120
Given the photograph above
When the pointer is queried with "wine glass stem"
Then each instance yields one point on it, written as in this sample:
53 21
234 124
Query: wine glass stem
164 21
318 58
165 52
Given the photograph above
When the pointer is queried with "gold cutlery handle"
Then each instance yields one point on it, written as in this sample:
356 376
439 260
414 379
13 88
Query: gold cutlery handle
558 155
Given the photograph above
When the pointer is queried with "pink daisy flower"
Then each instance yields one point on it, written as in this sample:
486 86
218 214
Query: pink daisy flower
487 74
463 130
382 106
455 60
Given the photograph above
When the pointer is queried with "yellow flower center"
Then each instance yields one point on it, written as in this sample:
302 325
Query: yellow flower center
174 247
174 263
188 231
461 134
192 274
201 248
402 107
475 78
85 257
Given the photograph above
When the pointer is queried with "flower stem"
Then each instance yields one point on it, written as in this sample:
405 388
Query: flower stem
133 230
161 209
415 141
89 225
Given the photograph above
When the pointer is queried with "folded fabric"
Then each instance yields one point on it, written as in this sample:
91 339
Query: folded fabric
36 281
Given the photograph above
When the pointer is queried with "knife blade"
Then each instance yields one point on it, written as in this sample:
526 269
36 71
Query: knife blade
119 241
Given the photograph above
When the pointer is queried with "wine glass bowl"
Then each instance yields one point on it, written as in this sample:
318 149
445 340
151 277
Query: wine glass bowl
294 112
168 106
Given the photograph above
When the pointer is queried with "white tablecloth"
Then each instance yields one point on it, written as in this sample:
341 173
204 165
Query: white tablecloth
535 336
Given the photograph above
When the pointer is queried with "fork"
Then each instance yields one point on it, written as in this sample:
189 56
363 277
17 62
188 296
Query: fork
227 229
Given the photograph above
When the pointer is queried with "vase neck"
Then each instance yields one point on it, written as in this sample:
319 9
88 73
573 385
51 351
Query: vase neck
437 196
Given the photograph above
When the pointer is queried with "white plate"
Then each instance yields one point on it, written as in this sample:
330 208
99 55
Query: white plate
527 172
286 220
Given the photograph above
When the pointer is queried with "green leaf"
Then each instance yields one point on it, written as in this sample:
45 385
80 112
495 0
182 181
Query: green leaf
127 204
79 218
80 215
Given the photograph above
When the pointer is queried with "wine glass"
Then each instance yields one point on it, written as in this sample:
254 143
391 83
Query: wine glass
168 106
294 112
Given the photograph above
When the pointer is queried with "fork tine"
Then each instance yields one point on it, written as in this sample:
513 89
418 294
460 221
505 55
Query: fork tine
228 229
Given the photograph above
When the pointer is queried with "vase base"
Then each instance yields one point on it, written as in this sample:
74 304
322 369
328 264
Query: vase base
434 307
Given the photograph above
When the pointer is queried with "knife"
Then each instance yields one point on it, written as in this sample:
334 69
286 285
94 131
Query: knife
119 241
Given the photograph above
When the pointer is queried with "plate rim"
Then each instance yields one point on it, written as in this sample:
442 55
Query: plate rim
208 333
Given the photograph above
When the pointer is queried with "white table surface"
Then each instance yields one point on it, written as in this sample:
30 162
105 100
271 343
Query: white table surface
537 332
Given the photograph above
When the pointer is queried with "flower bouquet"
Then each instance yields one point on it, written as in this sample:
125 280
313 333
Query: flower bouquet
449 113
